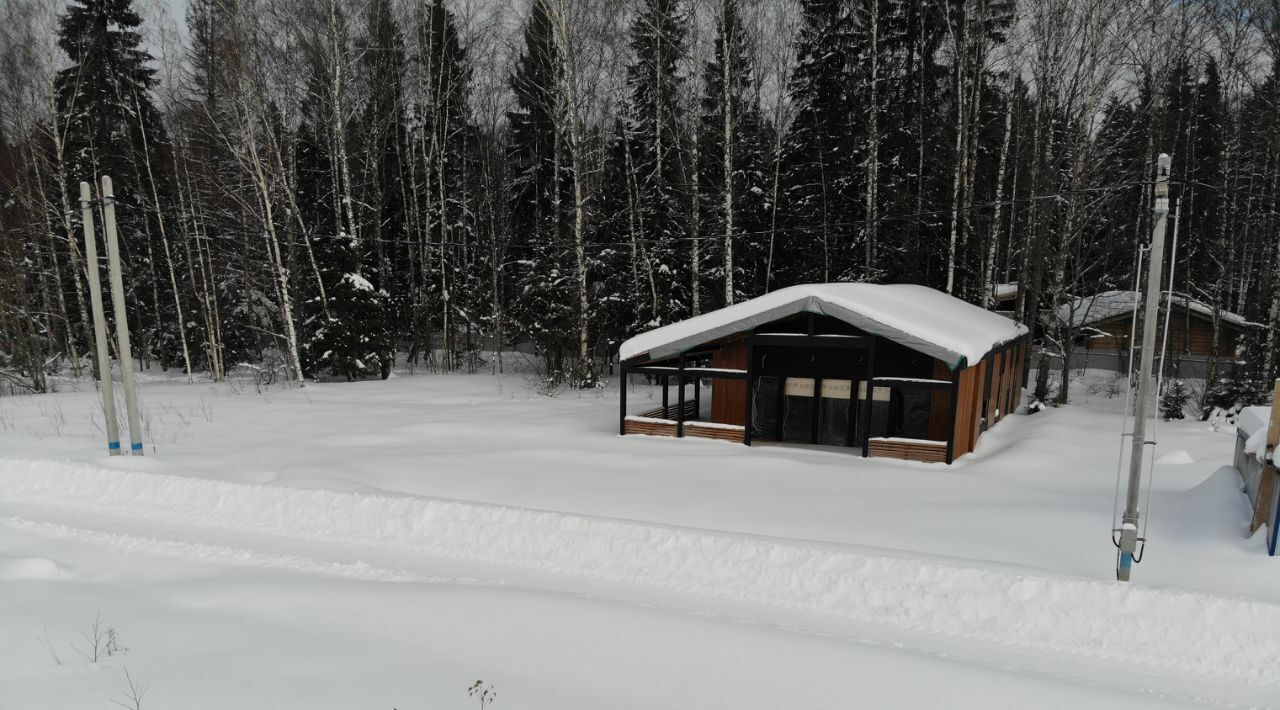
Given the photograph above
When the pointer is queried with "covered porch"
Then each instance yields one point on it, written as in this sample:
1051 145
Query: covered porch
816 379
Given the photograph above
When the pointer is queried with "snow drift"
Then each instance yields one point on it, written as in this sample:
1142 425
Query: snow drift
1152 630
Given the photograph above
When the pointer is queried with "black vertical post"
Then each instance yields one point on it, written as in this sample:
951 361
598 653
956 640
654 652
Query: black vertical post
990 359
666 397
622 401
871 395
955 408
853 399
680 399
780 403
751 362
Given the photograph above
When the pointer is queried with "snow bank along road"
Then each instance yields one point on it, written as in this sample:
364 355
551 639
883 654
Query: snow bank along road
1185 644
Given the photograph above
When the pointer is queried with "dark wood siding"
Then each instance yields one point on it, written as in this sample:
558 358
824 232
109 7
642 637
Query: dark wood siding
729 397
969 409
1187 335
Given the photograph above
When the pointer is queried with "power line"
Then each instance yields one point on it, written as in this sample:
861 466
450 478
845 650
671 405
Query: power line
661 241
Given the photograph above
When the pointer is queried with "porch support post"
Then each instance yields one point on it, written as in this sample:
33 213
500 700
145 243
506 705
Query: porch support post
680 399
871 395
622 400
751 360
955 409
666 396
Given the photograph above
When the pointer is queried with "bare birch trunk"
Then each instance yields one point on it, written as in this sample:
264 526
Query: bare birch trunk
871 233
727 88
993 244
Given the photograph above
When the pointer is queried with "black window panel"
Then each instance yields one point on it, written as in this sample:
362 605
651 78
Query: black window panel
764 407
914 411
833 421
797 419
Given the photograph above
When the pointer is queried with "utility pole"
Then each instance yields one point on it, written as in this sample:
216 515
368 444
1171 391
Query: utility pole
1129 523
122 317
105 387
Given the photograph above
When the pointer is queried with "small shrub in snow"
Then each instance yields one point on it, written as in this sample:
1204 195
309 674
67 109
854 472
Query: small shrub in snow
1220 417
1174 401
100 641
1035 406
131 699
1227 397
47 644
484 694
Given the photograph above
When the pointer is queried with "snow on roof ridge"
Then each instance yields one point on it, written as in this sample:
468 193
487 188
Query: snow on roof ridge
919 317
1084 310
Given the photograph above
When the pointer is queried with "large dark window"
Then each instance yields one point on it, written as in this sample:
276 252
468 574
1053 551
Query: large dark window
764 407
834 413
797 410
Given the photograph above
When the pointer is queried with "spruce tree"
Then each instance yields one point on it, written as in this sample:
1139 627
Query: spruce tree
541 196
1203 245
385 152
818 152
444 143
658 157
733 226
346 331
111 127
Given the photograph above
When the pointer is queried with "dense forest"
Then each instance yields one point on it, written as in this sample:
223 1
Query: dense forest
329 186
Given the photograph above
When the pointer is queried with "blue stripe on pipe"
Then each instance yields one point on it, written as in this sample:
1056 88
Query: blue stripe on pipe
1275 523
137 446
113 445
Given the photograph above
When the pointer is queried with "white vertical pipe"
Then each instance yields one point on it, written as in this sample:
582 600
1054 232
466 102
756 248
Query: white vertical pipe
1129 523
99 324
122 318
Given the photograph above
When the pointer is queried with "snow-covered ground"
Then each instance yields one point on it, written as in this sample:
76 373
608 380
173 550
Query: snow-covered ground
385 544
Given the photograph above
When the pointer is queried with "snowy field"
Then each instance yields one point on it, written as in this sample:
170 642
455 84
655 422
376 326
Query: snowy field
386 544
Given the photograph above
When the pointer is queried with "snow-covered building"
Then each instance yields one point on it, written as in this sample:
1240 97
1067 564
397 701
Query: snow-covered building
1103 322
896 370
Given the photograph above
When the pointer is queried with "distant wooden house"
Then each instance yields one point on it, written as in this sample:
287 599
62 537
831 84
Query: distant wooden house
894 370
1004 297
1103 323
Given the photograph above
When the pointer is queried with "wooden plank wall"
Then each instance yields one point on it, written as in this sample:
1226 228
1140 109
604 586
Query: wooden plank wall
940 424
999 375
1199 341
908 450
969 409
631 426
729 397
713 432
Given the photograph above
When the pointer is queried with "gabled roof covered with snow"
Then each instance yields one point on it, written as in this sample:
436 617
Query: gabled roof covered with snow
1109 304
921 318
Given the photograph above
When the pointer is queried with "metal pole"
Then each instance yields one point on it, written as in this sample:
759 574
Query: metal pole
122 318
99 323
1151 306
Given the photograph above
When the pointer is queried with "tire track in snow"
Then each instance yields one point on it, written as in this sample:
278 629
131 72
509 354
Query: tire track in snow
228 556
1156 632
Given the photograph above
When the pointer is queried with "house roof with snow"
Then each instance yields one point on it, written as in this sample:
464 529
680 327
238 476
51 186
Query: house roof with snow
921 318
1106 305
